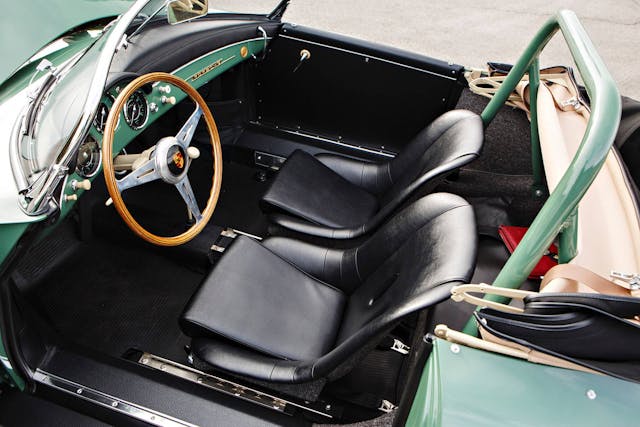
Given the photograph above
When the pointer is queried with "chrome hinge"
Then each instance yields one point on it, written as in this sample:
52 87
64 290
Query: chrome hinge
400 347
633 279
386 406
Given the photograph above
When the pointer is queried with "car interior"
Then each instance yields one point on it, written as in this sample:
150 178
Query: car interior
359 185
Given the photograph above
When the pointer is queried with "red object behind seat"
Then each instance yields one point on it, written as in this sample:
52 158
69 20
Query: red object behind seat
511 236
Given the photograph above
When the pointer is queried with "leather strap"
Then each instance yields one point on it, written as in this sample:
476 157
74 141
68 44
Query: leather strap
574 279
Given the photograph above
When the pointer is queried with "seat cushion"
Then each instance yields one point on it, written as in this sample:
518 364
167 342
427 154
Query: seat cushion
306 188
263 302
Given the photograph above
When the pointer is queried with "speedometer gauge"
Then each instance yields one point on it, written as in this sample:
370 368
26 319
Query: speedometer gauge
136 111
89 158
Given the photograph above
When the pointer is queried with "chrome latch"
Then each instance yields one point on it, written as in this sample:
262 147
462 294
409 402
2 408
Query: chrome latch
400 347
386 406
633 279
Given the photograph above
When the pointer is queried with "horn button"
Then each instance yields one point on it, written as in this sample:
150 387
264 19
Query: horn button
176 159
172 160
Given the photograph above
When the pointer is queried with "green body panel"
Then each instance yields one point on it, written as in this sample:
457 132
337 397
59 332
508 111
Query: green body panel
593 150
478 388
9 235
27 26
18 81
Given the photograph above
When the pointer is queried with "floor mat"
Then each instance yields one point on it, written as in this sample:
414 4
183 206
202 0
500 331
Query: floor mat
119 298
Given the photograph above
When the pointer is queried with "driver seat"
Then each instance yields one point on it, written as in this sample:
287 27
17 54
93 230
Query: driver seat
338 197
287 311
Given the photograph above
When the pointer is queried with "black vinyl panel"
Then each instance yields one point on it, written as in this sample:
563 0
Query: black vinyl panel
352 91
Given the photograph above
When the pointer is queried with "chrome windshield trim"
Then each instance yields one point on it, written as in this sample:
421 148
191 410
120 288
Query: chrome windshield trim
37 197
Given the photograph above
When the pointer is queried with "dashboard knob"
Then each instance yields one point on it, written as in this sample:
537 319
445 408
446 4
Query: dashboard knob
70 197
165 89
85 184
168 100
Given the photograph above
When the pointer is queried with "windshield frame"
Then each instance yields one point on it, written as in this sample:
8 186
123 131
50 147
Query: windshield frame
40 198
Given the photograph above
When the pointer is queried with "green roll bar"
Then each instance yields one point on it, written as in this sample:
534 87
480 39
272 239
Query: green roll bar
559 213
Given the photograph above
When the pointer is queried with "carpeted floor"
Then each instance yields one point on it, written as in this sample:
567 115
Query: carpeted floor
119 298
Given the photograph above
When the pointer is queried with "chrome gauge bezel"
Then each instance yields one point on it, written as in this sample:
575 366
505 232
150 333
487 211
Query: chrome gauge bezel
146 115
98 167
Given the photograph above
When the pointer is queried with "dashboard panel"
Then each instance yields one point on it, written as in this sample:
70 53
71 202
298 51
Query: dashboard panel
150 103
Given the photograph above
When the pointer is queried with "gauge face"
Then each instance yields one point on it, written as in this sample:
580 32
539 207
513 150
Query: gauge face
101 117
136 110
89 158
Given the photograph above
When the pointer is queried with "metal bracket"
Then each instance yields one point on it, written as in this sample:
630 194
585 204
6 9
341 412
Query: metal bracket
386 406
228 232
400 347
217 248
633 279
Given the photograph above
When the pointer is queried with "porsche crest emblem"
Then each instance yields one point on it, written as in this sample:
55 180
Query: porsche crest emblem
178 159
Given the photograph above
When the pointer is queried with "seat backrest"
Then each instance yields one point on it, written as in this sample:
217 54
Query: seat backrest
410 263
451 141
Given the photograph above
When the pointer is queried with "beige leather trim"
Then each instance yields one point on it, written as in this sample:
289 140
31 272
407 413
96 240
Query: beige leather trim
608 228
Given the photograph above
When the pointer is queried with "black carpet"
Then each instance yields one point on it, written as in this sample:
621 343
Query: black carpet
119 298
507 141
238 204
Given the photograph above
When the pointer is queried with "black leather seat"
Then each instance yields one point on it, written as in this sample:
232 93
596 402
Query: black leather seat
288 311
341 198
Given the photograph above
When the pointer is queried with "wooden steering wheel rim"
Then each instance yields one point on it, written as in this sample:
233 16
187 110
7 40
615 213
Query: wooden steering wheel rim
108 169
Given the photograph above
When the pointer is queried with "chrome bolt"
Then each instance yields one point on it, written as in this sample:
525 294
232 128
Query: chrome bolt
455 348
328 407
114 404
79 391
144 361
200 380
591 394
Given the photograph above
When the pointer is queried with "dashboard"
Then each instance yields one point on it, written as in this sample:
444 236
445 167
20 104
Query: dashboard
152 101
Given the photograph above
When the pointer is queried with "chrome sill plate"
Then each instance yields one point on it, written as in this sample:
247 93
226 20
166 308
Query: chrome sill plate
225 386
111 402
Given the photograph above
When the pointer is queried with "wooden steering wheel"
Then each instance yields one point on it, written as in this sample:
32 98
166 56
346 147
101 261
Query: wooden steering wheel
169 161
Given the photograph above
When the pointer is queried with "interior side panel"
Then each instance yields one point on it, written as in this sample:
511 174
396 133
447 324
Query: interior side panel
351 91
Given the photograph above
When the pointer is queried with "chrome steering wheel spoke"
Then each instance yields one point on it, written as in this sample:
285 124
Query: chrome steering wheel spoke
147 172
185 190
185 134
